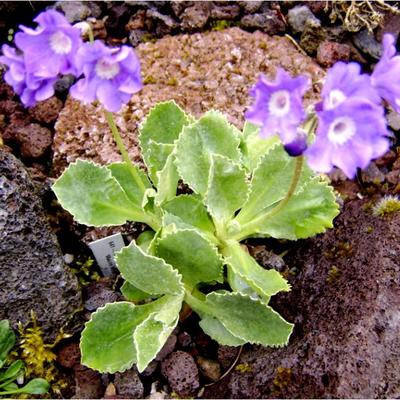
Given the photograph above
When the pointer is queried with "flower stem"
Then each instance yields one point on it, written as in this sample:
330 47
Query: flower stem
250 227
90 34
123 151
197 301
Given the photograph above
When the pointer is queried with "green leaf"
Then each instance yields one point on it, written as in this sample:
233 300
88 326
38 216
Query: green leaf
156 158
167 181
264 282
249 320
210 134
144 240
227 188
307 213
7 339
253 146
134 192
161 127
94 197
10 387
151 335
195 257
191 210
35 386
270 182
132 293
148 273
213 328
107 340
12 371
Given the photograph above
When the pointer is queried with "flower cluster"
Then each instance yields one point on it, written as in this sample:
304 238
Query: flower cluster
351 122
109 75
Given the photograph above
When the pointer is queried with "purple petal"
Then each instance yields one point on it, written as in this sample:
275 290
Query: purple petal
108 96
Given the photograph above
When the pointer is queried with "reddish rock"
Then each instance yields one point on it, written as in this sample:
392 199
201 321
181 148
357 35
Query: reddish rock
128 384
168 348
46 111
228 11
393 177
137 21
330 52
69 355
181 372
269 22
196 16
34 140
226 355
88 383
346 338
211 70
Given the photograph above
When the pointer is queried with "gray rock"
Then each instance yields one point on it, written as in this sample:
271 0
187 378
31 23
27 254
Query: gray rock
181 372
164 24
128 384
74 11
136 37
32 273
298 17
250 7
366 42
269 22
311 37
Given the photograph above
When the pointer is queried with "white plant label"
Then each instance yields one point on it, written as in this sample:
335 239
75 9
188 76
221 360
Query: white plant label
103 251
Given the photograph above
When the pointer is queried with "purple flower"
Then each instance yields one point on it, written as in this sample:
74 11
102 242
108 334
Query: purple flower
278 105
50 49
349 136
29 87
386 75
111 75
344 81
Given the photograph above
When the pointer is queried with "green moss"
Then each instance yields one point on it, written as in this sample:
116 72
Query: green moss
386 206
148 37
333 275
283 377
149 79
84 271
243 368
38 356
221 25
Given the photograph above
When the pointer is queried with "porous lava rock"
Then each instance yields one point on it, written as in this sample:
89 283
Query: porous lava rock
199 71
180 369
345 304
32 273
128 384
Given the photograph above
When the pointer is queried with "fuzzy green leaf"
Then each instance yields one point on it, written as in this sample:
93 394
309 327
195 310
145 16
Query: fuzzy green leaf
132 293
148 273
134 191
158 133
227 188
307 213
249 320
167 181
264 282
213 328
211 134
107 340
270 182
35 386
156 158
151 335
190 209
253 146
94 197
192 255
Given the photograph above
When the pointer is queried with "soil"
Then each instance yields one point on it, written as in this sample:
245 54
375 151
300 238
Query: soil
344 299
